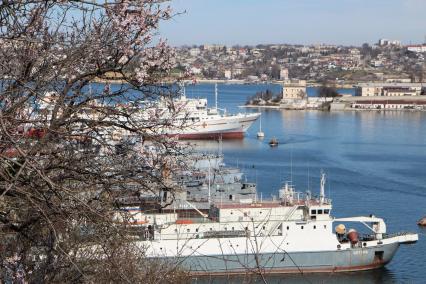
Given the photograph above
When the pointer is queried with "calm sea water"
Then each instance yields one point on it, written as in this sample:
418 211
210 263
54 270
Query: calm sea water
375 164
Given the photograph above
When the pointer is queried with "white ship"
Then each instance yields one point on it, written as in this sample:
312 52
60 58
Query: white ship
191 118
290 235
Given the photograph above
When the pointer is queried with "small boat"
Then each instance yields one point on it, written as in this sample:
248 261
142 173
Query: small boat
260 134
273 142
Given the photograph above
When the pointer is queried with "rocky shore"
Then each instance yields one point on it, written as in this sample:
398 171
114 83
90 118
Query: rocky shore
422 221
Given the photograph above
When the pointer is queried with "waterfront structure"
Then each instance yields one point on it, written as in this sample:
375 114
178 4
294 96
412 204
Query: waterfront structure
380 103
294 94
293 234
294 89
389 89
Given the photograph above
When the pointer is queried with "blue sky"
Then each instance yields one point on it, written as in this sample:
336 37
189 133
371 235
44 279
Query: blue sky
347 22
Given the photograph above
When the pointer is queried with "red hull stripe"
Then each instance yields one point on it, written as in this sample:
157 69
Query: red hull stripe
202 136
289 270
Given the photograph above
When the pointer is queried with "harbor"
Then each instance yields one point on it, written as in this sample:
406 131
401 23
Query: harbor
140 145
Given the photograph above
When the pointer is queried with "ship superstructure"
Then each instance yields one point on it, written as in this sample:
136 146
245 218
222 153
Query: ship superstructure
291 234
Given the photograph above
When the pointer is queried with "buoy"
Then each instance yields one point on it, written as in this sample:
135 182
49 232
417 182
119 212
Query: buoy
422 221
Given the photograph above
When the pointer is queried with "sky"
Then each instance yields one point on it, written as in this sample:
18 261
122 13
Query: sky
252 22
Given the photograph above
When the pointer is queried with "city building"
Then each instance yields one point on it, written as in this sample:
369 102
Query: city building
387 42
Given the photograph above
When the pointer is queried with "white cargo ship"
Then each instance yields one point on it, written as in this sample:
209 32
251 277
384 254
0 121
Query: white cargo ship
292 234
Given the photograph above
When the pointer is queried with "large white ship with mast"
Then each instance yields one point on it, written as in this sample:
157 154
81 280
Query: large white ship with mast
191 118
292 234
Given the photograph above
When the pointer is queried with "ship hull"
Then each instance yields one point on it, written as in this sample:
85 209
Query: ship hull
357 259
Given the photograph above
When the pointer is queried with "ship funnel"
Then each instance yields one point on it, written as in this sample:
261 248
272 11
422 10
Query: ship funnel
322 194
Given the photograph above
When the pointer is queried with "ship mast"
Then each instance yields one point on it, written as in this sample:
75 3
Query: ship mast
215 95
183 90
322 188
209 196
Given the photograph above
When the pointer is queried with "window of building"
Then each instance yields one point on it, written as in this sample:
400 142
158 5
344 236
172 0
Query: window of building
319 211
313 211
326 211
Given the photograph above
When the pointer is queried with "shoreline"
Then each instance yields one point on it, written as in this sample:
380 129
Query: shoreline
258 106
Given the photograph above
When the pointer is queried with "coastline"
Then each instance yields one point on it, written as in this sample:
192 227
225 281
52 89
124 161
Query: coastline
259 106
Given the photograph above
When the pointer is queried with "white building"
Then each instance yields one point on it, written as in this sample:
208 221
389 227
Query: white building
194 51
417 48
387 42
